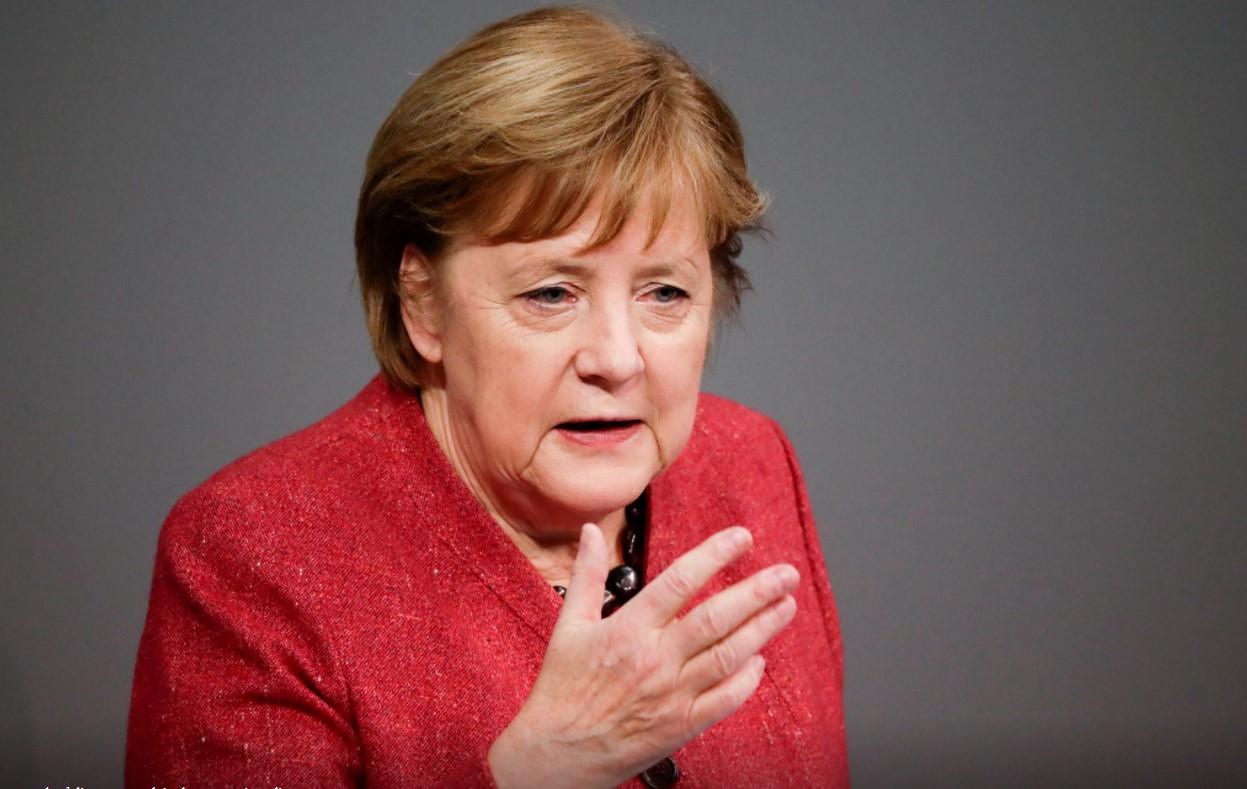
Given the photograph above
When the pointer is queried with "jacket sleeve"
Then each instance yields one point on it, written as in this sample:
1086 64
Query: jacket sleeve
233 685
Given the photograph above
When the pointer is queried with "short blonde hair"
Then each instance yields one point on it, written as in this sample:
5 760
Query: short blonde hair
511 134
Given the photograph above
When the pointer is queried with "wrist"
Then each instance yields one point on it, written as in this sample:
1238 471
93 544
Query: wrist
521 758
517 760
502 758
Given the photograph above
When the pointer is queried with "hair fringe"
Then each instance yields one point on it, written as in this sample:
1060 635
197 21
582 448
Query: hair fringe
515 132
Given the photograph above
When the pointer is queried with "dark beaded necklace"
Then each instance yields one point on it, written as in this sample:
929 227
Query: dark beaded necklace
623 582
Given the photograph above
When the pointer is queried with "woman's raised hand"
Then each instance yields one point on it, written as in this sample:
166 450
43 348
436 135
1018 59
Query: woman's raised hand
616 695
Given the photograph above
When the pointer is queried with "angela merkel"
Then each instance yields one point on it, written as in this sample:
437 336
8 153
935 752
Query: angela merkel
529 552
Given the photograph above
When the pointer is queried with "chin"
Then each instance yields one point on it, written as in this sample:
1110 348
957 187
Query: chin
594 492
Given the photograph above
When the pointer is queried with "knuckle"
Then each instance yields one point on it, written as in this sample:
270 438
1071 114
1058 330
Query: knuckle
734 697
679 582
710 623
762 590
778 583
725 658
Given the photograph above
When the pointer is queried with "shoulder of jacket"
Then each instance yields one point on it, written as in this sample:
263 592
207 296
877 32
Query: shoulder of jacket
722 419
286 482
732 441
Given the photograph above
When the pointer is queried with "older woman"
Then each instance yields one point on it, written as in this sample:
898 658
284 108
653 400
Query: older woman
511 559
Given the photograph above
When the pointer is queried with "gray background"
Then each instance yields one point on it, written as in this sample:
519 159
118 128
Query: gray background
1002 318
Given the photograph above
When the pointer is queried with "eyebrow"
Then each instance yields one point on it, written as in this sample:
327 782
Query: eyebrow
542 266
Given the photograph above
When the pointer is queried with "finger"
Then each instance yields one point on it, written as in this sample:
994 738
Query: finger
723 699
584 590
723 659
716 618
661 600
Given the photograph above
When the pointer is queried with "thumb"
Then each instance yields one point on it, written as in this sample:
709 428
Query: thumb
584 590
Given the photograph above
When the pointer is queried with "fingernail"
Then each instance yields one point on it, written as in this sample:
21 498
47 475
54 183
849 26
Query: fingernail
740 536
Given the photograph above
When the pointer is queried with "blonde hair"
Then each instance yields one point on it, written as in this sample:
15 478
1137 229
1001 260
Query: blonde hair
511 134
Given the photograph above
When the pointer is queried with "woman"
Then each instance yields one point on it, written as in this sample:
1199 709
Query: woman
510 559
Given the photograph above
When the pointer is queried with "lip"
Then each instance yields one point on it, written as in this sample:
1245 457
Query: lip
602 437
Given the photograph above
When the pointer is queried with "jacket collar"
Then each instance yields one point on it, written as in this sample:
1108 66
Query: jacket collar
466 530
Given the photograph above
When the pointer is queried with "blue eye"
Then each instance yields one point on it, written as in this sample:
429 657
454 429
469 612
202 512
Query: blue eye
550 296
666 294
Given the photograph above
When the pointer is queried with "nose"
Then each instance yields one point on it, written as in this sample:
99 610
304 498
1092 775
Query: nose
609 354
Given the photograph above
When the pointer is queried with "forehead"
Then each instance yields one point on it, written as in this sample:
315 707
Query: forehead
678 233
532 267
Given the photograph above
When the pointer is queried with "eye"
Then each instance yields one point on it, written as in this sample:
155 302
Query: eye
549 296
668 294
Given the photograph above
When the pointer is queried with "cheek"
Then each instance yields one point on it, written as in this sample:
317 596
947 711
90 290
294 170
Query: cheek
496 359
675 359
675 380
515 384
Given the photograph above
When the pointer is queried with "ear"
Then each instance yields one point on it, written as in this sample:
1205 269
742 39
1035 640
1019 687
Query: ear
421 317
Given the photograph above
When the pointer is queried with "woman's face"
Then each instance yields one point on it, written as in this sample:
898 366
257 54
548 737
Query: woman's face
570 377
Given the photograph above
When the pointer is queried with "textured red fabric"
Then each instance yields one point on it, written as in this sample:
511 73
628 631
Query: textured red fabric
337 609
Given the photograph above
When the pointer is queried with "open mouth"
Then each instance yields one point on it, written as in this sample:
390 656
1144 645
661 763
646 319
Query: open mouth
595 425
599 433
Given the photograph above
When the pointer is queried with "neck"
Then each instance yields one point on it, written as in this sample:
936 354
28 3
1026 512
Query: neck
547 536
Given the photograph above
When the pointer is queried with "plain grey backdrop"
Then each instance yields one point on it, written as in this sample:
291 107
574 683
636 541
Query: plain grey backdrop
1003 317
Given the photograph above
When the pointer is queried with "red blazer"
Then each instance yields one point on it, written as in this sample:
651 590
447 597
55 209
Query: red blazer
337 609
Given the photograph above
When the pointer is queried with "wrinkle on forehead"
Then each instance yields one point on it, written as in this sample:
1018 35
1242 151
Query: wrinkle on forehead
536 267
